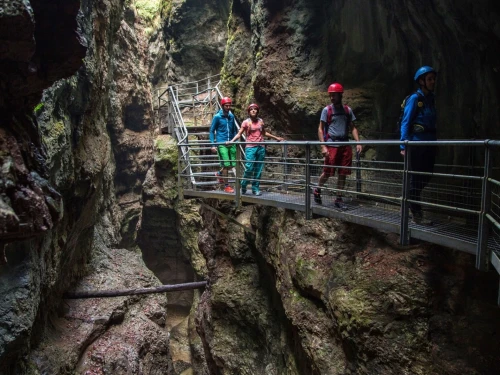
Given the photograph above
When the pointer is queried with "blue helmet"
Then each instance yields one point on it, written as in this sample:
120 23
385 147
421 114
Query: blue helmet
423 70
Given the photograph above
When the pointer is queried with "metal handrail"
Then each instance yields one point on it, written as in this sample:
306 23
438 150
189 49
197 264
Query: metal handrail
446 192
181 127
187 83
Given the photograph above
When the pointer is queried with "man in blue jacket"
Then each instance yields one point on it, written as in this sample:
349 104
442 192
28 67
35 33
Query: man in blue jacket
223 129
419 124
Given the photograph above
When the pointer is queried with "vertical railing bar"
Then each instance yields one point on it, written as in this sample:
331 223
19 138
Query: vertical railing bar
237 181
285 167
404 238
498 299
159 114
308 182
483 226
179 181
358 173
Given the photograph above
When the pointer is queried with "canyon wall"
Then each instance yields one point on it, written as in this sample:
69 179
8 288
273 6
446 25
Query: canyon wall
88 195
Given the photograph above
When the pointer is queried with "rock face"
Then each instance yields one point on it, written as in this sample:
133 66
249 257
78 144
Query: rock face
85 182
190 45
68 153
119 335
325 297
72 173
285 55
41 43
29 63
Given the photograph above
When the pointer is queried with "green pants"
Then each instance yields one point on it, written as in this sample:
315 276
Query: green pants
227 156
253 167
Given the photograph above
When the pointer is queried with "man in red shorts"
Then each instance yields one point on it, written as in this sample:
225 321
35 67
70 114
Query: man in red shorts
335 123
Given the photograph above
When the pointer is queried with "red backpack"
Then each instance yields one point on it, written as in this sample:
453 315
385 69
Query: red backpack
329 119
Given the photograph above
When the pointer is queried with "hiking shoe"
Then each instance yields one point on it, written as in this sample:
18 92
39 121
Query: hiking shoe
317 196
256 192
219 177
228 189
340 204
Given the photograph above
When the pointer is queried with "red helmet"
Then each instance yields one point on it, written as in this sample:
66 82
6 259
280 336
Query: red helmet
253 105
226 100
336 87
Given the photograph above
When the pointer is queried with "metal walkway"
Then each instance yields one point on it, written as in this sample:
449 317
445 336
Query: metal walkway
462 198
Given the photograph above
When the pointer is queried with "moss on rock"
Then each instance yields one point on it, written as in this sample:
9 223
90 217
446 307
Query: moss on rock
166 153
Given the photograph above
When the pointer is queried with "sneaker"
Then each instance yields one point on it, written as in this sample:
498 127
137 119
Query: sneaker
317 196
256 192
228 189
339 203
219 177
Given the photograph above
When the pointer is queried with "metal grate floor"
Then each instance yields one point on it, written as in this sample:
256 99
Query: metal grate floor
448 231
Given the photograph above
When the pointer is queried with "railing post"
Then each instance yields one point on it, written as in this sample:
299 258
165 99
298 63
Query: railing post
484 227
308 182
358 173
404 238
159 113
285 168
169 114
237 183
179 168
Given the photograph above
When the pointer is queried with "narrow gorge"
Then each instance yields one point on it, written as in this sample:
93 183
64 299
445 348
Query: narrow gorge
89 195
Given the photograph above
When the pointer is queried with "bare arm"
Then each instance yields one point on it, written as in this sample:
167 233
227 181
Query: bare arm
355 135
266 133
324 150
238 135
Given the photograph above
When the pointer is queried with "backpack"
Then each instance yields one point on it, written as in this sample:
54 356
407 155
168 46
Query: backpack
329 119
420 107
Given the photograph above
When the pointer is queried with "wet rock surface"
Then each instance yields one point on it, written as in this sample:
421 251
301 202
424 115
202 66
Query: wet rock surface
326 297
119 335
85 179
191 43
284 56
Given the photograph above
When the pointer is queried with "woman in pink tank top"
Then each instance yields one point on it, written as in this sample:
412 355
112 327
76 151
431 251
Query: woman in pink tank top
255 153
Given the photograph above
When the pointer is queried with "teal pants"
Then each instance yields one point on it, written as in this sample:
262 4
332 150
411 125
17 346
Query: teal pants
253 167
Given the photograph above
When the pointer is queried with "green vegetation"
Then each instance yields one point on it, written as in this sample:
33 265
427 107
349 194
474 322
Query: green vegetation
38 108
148 10
152 12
